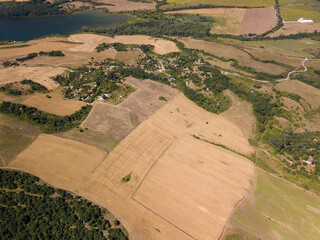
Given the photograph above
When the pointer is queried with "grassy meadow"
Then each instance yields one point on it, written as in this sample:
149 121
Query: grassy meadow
294 12
277 210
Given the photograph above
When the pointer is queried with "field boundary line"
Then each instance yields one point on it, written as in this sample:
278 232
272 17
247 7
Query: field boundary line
242 200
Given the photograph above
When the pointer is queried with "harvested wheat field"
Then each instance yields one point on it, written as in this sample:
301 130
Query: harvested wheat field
45 44
228 19
258 20
37 74
309 93
240 113
56 104
60 161
181 116
126 5
91 41
117 121
228 52
160 181
295 27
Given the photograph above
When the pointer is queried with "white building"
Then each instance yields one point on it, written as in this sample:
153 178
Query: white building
302 20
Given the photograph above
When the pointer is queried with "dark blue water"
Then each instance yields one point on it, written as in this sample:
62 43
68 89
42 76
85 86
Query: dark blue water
23 29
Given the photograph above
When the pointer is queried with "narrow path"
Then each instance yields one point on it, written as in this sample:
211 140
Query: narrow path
4 163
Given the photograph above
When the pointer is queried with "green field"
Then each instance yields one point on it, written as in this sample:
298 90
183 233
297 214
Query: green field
237 3
278 210
294 12
296 1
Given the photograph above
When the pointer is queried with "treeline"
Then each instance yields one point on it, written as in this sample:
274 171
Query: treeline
52 54
48 123
158 24
31 8
30 210
13 89
119 47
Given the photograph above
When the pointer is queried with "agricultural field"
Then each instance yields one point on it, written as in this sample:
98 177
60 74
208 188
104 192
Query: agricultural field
294 28
277 210
91 41
15 136
62 162
258 21
53 102
294 12
227 20
233 3
309 93
228 52
117 121
40 75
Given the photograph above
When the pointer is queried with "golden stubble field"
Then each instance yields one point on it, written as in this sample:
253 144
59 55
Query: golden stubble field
180 187
55 104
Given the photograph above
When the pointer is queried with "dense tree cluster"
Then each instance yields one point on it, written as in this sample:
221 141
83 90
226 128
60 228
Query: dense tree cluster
30 210
31 8
157 24
28 57
52 53
14 89
47 122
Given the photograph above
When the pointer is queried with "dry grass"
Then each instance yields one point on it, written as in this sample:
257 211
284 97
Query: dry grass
258 20
125 5
91 41
227 51
37 74
228 19
118 121
60 161
240 113
282 59
313 64
56 104
309 93
294 28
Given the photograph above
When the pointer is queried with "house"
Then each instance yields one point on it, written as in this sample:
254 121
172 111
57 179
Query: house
302 20
310 160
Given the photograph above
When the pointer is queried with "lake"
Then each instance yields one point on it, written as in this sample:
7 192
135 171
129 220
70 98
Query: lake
27 28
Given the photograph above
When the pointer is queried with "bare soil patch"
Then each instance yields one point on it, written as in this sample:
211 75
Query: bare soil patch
37 74
116 121
56 104
228 19
258 20
91 41
61 161
295 27
228 52
240 113
309 93
125 5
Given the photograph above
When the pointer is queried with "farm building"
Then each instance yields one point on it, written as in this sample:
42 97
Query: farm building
302 20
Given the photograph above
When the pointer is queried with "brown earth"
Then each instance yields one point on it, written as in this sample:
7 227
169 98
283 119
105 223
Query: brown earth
66 162
37 74
309 93
240 113
179 188
117 121
229 19
294 28
228 52
91 41
258 20
55 105
125 5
